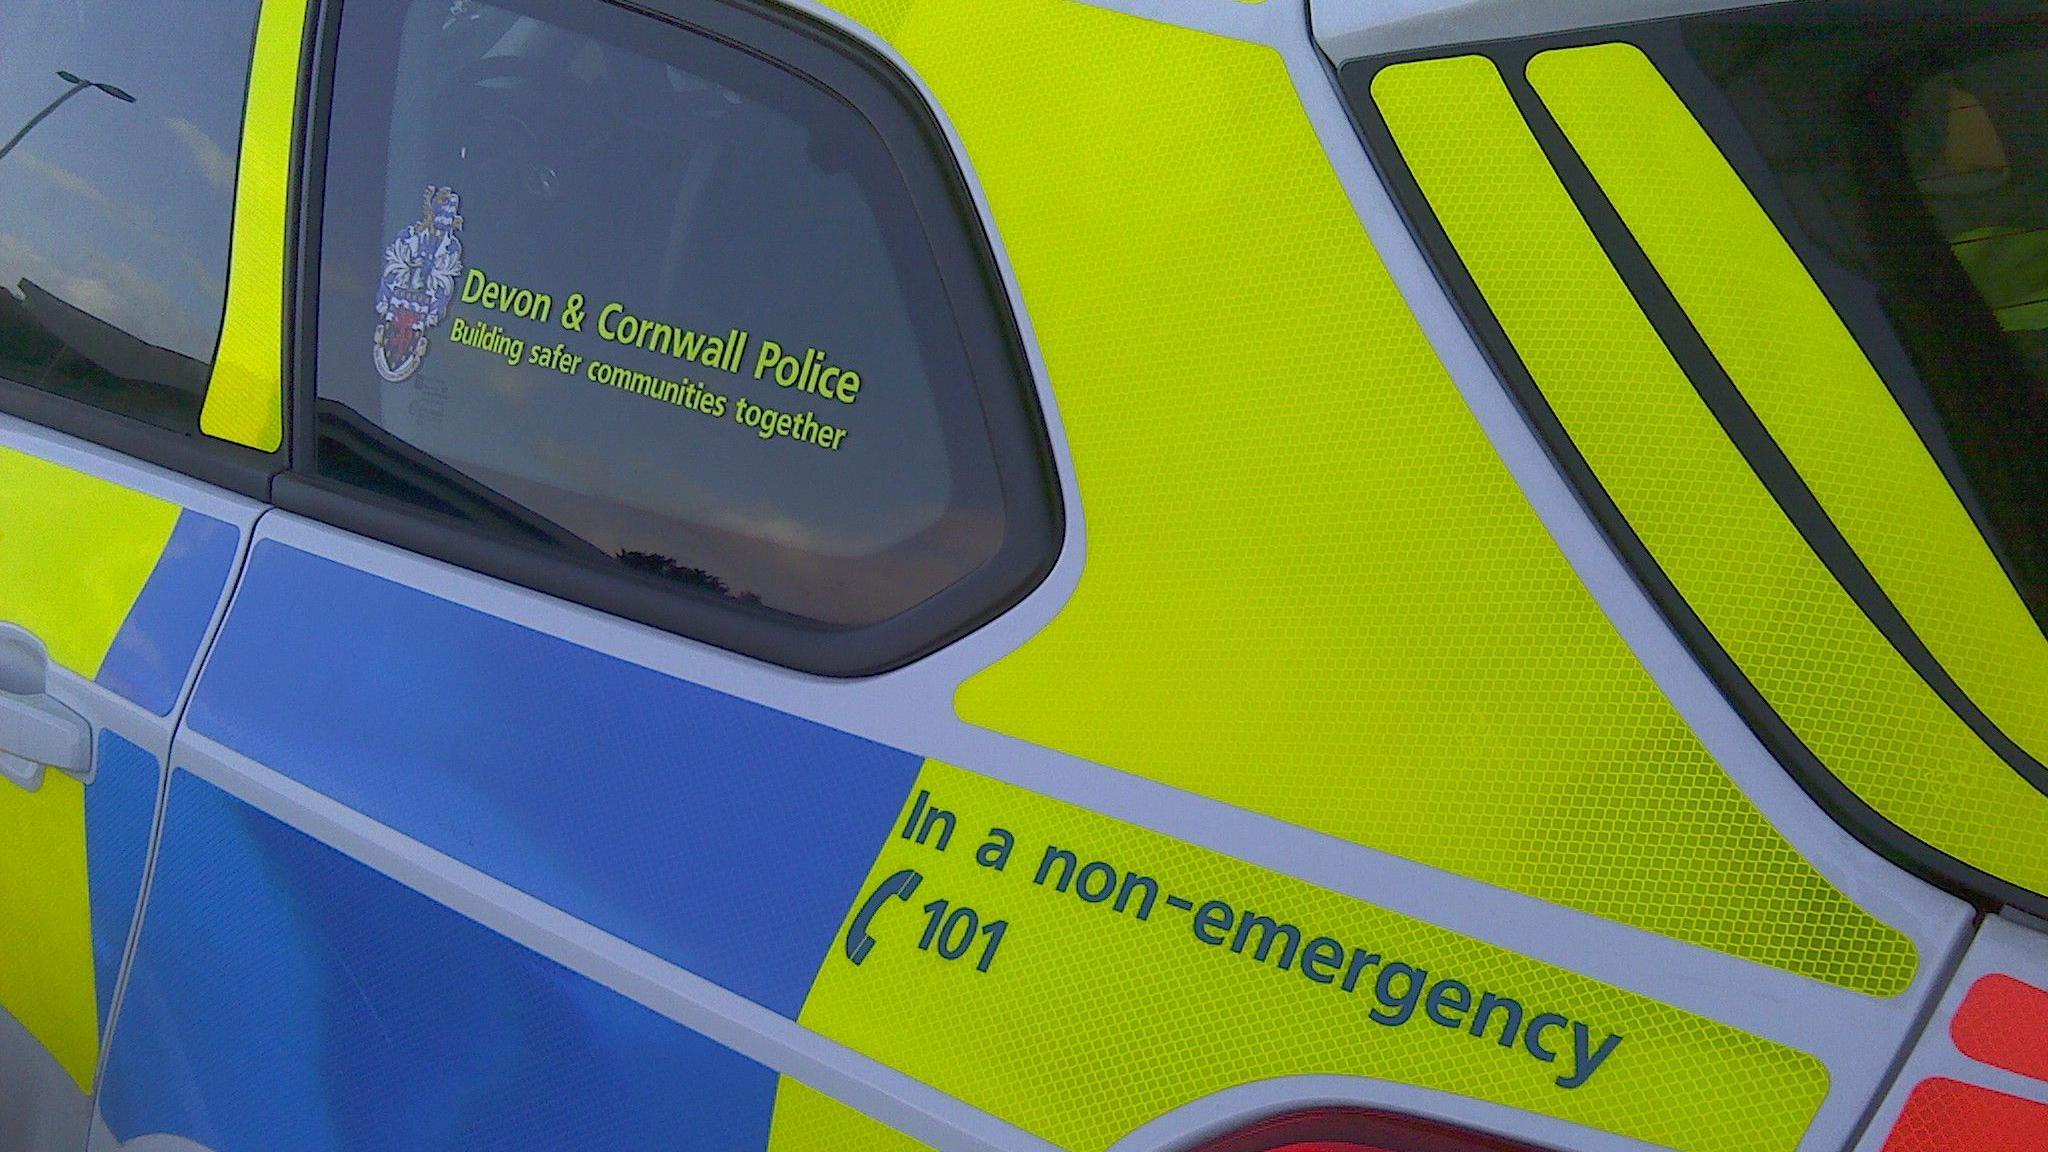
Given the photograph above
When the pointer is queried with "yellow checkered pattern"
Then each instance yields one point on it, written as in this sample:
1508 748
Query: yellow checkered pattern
1090 1022
1312 589
1713 527
1781 341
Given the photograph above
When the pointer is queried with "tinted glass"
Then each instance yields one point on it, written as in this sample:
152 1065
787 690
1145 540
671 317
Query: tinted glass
119 131
630 294
1914 151
1975 136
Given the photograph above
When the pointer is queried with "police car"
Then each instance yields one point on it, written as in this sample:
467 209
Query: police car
1001 575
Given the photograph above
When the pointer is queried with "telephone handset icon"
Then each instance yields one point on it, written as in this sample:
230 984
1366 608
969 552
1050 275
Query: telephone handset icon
899 885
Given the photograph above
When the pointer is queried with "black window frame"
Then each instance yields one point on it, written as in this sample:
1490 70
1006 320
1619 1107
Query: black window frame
1001 376
209 459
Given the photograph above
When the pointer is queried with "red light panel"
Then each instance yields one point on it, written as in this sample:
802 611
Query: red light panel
1948 1116
2004 1023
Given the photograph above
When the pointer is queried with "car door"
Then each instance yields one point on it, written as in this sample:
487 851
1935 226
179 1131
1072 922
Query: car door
636 353
122 521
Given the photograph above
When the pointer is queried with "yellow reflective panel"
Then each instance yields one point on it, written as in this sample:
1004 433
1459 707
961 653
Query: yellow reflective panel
1846 691
1312 589
1657 450
75 552
1105 974
1780 340
46 970
245 398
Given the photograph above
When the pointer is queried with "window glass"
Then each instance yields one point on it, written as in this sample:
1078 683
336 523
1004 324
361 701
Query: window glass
1976 137
1914 151
119 131
631 294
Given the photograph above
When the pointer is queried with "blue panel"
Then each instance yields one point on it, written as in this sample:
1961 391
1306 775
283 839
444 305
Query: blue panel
726 837
285 996
119 808
157 643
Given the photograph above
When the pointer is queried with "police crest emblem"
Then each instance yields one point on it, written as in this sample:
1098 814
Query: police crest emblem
420 270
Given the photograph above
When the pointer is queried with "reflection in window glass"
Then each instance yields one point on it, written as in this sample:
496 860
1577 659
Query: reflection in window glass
611 287
1914 152
1975 137
120 130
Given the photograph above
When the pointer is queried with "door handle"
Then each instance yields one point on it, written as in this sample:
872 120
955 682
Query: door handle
36 730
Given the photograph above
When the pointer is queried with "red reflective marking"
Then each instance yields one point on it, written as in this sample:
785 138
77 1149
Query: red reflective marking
1947 1116
2004 1023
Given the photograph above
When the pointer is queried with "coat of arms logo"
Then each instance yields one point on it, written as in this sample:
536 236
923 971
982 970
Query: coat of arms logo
420 271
